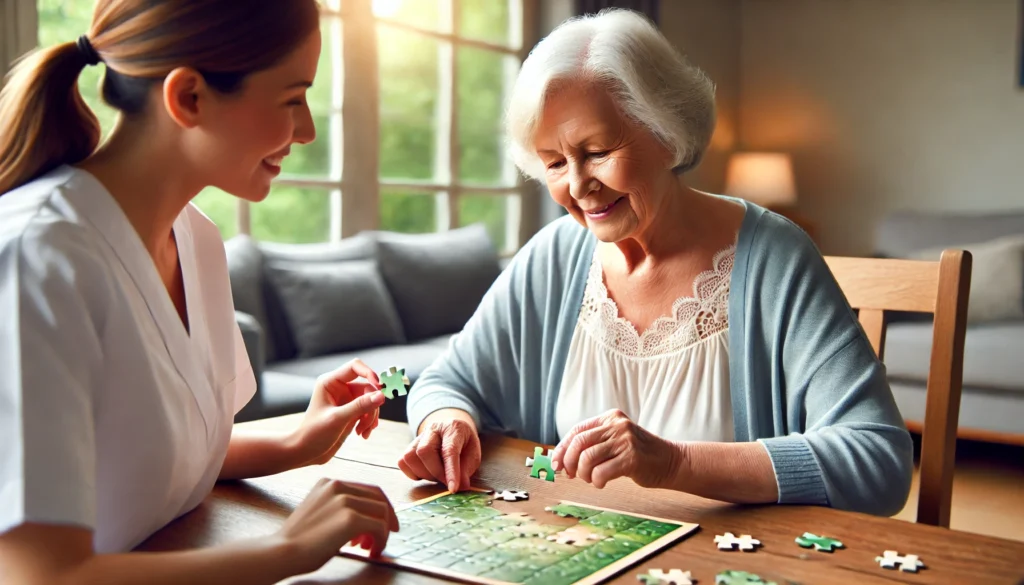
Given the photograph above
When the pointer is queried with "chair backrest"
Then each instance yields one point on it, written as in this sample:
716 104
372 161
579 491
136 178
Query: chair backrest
874 286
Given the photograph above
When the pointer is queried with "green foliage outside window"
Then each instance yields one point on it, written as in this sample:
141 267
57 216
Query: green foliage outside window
409 65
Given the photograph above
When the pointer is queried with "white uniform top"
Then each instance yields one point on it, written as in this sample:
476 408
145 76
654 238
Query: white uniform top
672 380
113 416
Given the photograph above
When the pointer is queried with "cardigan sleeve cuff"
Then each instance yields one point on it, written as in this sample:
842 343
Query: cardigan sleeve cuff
797 472
439 399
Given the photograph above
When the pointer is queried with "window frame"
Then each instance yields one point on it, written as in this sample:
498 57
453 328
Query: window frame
355 118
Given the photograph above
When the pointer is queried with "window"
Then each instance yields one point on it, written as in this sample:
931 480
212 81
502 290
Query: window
407 103
444 69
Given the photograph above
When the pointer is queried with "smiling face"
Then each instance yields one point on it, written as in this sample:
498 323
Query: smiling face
607 171
246 136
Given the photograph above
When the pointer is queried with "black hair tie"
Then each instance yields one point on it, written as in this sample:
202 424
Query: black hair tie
86 49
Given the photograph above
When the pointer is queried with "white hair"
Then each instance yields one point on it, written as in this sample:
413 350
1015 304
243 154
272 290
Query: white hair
651 83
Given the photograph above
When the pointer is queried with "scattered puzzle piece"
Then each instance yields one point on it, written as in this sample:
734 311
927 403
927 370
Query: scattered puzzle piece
822 543
576 535
728 541
740 578
540 462
510 496
570 511
395 382
908 564
659 577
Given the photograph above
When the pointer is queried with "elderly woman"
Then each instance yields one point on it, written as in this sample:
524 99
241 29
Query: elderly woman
687 341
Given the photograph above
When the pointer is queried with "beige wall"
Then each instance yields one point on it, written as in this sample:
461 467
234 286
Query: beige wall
708 33
885 105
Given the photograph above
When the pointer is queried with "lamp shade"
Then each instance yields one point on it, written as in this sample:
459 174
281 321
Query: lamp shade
764 178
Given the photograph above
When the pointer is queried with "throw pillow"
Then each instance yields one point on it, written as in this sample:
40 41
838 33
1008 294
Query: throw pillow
997 278
359 247
437 280
336 307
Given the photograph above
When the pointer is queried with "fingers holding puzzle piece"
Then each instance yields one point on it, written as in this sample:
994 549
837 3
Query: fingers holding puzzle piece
395 382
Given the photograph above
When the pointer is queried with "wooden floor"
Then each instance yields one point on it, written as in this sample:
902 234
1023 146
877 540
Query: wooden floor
988 491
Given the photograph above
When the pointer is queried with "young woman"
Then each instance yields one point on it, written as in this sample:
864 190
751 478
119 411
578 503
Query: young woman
122 365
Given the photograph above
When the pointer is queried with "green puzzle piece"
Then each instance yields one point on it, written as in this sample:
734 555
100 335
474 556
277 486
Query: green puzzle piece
540 462
570 511
395 382
740 578
822 543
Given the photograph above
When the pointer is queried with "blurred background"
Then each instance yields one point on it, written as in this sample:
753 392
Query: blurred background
888 128
867 107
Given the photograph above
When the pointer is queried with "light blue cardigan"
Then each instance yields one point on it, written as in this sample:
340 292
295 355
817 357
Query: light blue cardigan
803 377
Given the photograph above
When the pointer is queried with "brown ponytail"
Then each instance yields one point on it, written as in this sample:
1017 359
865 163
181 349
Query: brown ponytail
45 123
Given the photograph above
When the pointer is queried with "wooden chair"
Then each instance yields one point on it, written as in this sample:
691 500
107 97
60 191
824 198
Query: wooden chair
874 286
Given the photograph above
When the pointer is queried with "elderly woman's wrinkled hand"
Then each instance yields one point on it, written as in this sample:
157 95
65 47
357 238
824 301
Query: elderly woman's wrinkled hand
611 445
446 451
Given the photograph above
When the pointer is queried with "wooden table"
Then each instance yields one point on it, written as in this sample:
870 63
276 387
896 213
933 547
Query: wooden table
237 510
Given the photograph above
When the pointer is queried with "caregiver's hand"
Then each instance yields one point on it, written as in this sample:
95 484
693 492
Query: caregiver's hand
447 450
609 446
344 400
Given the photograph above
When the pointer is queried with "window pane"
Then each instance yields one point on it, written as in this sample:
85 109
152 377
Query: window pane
410 213
62 21
420 13
493 212
408 102
319 96
221 208
313 159
481 79
485 20
293 215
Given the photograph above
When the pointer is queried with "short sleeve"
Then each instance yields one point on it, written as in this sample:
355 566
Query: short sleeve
51 353
245 380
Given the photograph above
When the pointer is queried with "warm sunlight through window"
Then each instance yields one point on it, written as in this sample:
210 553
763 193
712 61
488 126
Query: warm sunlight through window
386 8
441 71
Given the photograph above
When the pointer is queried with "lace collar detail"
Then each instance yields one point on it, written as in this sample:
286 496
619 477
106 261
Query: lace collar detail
694 319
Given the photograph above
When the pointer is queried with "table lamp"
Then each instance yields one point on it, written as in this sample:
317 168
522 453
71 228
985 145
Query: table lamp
766 178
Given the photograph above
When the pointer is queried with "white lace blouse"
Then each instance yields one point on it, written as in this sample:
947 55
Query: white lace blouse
673 379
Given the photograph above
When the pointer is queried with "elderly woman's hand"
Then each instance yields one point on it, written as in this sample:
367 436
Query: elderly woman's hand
608 446
447 450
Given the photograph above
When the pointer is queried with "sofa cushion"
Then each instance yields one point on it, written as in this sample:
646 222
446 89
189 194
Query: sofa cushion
437 280
359 247
991 354
414 357
335 306
901 234
245 269
997 278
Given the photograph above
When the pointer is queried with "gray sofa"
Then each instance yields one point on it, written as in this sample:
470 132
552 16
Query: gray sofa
992 403
388 299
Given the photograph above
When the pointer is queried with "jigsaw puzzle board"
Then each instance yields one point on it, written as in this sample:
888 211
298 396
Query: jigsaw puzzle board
470 537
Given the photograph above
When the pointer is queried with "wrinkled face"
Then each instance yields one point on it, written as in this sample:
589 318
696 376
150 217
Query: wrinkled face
608 172
246 135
